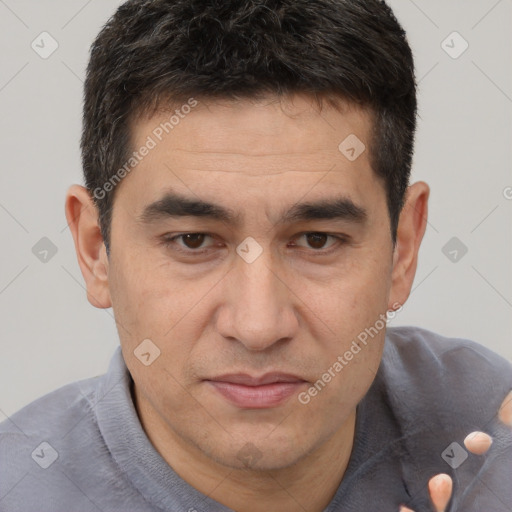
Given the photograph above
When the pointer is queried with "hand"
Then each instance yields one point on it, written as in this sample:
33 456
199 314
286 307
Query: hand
441 486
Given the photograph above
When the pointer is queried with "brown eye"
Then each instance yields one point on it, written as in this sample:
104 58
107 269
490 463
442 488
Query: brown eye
316 240
190 243
193 240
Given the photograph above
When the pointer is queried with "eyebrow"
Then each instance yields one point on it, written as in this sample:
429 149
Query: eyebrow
173 205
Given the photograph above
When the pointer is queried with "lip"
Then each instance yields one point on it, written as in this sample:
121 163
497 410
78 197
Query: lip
249 392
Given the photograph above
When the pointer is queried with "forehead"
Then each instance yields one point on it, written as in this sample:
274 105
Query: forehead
293 124
253 151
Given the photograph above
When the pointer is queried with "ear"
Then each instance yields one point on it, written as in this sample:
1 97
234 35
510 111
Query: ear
411 228
82 217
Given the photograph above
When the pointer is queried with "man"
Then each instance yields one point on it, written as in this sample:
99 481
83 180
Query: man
248 216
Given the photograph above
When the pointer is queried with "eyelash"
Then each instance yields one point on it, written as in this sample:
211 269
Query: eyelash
169 242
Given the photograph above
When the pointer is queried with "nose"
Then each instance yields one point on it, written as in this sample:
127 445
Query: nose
257 309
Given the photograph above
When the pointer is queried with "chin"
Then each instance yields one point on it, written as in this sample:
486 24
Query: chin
259 452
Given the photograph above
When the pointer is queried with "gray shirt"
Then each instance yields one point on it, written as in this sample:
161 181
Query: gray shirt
82 447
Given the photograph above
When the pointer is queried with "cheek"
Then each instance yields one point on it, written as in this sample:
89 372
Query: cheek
359 312
148 296
330 400
354 309
151 303
355 298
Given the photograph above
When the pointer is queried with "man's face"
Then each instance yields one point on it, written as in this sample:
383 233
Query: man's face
230 326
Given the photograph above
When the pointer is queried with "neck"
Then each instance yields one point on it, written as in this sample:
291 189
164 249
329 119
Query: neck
309 484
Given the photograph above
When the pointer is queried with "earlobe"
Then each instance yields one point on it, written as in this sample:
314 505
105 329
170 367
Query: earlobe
411 228
82 217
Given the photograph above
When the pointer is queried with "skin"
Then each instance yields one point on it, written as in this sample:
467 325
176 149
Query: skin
290 310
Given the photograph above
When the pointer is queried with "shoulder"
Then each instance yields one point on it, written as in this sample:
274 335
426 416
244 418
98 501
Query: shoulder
450 374
426 351
53 454
54 411
43 429
38 437
436 390
57 412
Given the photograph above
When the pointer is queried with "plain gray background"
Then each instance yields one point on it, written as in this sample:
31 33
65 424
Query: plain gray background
51 335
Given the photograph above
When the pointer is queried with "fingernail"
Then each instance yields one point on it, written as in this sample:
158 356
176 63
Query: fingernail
440 487
478 442
505 413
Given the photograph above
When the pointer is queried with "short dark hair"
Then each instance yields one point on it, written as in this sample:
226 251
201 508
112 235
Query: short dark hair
154 53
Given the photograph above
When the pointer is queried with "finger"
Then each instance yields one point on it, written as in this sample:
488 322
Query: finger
440 488
505 413
478 443
403 508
